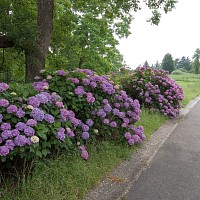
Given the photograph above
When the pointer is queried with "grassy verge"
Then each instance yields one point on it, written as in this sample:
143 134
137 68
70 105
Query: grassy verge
70 177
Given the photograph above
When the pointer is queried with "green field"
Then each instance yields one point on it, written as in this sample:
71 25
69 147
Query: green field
191 85
70 177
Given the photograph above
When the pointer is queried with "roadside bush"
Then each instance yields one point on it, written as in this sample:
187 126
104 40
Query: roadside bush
95 100
36 126
67 110
154 89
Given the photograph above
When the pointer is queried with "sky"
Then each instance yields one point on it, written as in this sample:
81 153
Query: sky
178 33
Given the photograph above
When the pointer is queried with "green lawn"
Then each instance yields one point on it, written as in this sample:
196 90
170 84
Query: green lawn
69 177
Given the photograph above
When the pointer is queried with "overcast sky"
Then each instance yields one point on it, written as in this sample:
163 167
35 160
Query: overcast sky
178 33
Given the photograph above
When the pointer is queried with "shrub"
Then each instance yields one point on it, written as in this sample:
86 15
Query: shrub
95 98
36 126
67 110
178 72
154 89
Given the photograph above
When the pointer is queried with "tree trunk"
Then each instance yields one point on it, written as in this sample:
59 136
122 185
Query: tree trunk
5 42
35 58
35 61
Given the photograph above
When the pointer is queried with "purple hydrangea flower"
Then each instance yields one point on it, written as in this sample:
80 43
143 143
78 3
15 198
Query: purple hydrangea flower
113 124
85 128
5 126
20 140
15 132
33 101
74 121
93 84
3 87
106 121
1 118
42 98
29 131
55 97
117 105
101 113
105 101
61 134
89 122
4 103
12 109
20 126
59 104
6 134
131 141
20 113
61 73
107 108
85 135
31 122
123 125
90 98
126 120
10 144
86 81
127 135
115 111
79 91
74 80
47 95
136 138
37 114
4 150
49 118
70 133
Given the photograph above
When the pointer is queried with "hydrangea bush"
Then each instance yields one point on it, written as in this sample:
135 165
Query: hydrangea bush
67 110
36 126
98 103
154 89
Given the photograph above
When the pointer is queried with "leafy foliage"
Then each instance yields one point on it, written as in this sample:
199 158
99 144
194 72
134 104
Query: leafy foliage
83 32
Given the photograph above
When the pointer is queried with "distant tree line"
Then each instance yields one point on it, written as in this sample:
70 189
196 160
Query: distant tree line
184 63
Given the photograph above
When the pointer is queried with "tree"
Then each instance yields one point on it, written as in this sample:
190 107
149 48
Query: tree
27 25
146 64
183 63
196 63
168 63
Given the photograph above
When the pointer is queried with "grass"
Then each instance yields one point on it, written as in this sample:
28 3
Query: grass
190 84
69 177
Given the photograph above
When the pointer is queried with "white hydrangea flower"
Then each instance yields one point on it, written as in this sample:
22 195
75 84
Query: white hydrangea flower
49 77
30 107
35 139
13 93
96 131
45 87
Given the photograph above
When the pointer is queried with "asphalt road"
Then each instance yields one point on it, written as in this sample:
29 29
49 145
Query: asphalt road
174 172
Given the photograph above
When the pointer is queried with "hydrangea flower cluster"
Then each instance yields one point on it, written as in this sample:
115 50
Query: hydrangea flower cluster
155 89
42 117
97 98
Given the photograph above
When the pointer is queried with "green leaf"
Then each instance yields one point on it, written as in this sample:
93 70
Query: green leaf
42 135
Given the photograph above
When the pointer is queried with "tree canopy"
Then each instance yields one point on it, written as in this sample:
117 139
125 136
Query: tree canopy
196 62
168 63
69 33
